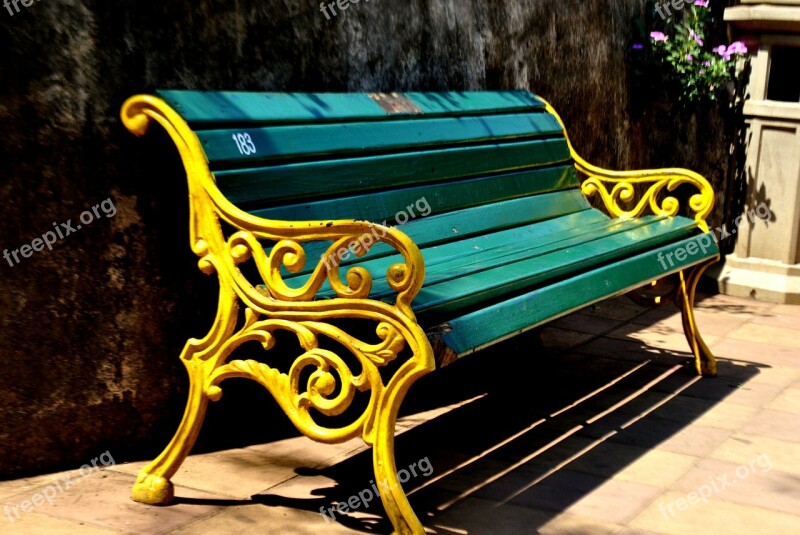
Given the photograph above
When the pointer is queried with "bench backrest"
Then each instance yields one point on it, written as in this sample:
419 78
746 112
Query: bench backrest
387 157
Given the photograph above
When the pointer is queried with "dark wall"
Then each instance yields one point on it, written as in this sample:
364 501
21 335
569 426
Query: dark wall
90 332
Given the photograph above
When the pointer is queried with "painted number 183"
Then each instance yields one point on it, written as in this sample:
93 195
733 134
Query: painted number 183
244 143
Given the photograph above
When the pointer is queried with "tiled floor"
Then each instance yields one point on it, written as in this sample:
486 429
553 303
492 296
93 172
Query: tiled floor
594 425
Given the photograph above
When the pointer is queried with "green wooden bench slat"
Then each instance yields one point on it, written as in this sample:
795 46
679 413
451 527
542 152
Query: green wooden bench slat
442 197
457 294
473 221
465 257
483 102
201 108
456 259
513 316
340 176
453 287
468 222
338 138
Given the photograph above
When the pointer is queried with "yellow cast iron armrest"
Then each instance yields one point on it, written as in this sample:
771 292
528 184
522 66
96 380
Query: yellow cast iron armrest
622 184
209 205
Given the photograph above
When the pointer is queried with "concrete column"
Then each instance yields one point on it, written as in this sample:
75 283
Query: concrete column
766 260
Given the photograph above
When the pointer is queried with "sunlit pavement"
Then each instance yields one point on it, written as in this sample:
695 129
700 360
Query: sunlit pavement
595 424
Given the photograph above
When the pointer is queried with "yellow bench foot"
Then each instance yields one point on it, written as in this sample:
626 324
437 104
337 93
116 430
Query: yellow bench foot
152 489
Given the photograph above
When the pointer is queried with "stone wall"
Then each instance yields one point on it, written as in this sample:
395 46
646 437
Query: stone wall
90 332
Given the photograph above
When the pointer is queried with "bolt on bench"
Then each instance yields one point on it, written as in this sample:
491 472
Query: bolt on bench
287 192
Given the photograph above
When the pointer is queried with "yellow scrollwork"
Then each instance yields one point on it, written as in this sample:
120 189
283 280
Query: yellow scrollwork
617 189
298 400
278 306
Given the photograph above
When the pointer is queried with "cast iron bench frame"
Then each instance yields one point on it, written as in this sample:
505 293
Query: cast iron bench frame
276 306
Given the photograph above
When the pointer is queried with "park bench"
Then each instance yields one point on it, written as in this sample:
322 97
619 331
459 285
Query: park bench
373 238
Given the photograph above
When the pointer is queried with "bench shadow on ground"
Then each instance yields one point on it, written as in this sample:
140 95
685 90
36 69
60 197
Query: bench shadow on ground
548 423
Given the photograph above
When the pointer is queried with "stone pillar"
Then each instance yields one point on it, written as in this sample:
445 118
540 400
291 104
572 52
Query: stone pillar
766 260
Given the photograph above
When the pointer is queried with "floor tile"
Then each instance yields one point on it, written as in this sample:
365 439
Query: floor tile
671 516
657 335
711 325
28 484
741 448
38 524
103 500
787 401
735 306
628 349
680 408
774 318
656 468
615 501
576 524
555 338
554 493
766 334
247 471
475 475
786 310
759 354
482 516
637 531
476 516
307 452
611 501
263 519
618 308
721 389
750 483
587 323
695 440
773 374
775 424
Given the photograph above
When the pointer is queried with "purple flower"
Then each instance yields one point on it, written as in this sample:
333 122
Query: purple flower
658 36
701 3
737 47
722 50
696 37
689 57
707 63
702 71
638 46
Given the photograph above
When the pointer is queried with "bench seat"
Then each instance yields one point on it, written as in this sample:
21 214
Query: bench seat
466 299
445 222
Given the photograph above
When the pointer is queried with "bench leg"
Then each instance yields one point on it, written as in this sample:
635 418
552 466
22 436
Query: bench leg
393 496
153 485
705 362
